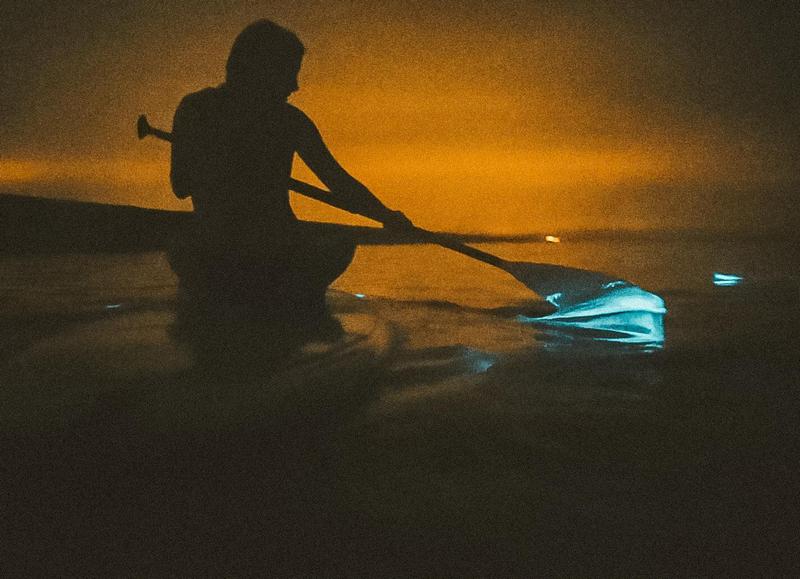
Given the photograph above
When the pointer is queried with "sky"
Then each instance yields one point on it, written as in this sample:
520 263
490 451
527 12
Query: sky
500 116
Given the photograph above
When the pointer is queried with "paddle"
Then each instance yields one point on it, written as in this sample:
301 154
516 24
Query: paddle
561 286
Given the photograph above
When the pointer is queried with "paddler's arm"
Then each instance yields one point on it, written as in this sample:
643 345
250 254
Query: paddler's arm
315 153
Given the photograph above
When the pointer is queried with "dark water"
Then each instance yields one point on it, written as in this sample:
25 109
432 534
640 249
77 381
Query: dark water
454 441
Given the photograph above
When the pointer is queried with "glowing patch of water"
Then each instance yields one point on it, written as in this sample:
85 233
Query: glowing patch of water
727 279
622 313
478 361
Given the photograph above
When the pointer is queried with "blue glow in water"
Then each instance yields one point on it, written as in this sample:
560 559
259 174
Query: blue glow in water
360 296
479 362
617 283
727 279
554 298
623 313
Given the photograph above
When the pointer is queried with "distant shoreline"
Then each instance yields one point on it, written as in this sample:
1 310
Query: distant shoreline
45 225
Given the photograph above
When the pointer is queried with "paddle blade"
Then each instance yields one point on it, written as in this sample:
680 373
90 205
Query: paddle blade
142 127
562 286
616 309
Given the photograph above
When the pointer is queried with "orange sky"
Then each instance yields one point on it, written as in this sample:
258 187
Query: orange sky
472 117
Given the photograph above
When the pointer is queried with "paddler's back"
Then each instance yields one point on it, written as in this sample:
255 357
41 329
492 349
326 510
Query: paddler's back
233 158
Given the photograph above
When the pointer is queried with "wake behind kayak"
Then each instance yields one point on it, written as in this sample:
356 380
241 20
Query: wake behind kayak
131 357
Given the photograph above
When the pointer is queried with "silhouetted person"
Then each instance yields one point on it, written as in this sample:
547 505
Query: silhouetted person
232 154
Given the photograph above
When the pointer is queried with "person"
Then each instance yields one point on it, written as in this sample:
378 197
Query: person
232 152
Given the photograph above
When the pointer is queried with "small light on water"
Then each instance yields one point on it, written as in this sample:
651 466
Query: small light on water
553 298
482 366
479 362
113 306
552 239
360 296
727 279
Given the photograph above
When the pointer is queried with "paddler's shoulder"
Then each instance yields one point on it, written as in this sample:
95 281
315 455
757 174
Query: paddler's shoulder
299 119
203 99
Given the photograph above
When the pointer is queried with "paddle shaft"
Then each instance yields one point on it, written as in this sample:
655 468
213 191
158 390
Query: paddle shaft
322 195
318 194
163 135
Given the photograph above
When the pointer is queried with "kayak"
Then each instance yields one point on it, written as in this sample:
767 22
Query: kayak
38 225
284 278
581 299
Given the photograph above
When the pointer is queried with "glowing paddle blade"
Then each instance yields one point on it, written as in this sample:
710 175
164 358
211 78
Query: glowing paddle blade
563 286
618 299
620 312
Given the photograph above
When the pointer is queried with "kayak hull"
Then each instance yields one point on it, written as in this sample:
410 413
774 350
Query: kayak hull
285 280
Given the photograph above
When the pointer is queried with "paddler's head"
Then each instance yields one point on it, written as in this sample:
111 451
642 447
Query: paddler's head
265 61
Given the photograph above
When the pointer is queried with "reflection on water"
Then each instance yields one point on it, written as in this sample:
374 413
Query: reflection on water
429 427
479 361
244 338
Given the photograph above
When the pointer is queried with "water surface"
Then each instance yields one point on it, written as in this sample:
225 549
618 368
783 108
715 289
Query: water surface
462 442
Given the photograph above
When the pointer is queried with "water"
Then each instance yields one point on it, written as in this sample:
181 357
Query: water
475 444
662 266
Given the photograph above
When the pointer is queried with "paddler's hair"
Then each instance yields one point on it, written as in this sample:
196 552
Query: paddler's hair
261 48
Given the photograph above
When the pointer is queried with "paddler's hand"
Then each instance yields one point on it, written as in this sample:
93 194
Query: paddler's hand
397 220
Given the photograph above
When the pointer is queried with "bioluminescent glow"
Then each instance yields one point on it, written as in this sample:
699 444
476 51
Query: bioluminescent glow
552 239
619 298
554 298
624 313
478 361
360 296
727 279
565 287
